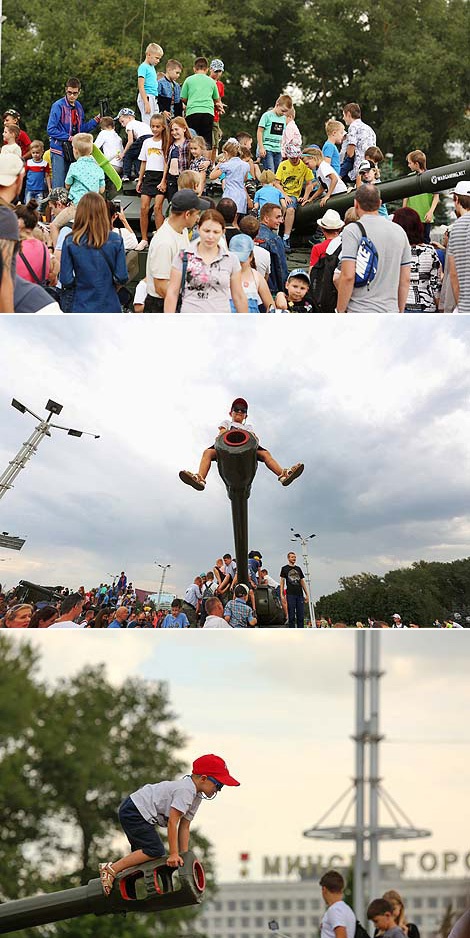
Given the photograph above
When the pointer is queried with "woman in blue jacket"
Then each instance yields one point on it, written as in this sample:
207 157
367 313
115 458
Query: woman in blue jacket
93 262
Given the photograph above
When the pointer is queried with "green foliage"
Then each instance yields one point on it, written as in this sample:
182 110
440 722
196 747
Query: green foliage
68 756
406 64
420 593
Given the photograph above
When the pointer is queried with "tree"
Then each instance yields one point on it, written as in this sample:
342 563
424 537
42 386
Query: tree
85 744
20 809
420 593
407 65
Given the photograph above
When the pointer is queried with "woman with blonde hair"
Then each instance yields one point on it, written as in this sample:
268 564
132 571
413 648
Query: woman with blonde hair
398 910
19 616
93 261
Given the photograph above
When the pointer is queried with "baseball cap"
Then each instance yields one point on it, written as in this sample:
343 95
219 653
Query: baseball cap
186 200
240 402
11 166
217 65
125 112
364 167
242 245
299 272
59 194
215 766
462 188
331 220
293 150
396 616
12 113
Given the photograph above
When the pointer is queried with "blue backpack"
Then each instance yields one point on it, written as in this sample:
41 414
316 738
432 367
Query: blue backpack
366 260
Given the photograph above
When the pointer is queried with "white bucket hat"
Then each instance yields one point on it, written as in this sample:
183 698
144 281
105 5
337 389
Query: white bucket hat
331 220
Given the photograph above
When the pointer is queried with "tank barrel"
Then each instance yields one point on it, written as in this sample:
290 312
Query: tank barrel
432 180
52 907
150 887
240 533
237 463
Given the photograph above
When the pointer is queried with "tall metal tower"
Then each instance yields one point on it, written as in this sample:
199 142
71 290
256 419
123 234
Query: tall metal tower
29 448
366 791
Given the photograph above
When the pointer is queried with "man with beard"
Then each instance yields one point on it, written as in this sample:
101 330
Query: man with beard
293 592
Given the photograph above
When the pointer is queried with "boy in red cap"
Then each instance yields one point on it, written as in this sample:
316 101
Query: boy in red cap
238 415
165 804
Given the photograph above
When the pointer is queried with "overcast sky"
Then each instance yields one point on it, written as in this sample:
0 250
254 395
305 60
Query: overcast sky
376 407
281 713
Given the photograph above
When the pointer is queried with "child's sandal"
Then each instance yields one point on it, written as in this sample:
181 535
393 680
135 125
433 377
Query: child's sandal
288 475
107 877
193 479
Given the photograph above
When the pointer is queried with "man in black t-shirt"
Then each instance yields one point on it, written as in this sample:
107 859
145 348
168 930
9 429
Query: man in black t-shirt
292 579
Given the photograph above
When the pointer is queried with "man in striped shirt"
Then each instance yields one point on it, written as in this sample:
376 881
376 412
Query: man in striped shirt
458 251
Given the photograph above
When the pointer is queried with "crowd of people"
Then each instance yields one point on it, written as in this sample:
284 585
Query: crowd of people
214 599
387 913
66 244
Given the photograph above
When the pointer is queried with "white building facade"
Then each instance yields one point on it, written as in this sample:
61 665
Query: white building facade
244 908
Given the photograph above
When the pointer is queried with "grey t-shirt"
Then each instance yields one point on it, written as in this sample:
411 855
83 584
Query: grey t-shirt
459 247
394 252
155 801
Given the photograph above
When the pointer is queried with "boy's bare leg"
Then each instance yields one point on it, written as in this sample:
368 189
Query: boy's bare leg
132 859
208 456
198 480
270 462
289 221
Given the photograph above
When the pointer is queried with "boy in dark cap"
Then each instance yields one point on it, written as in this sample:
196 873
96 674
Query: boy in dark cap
238 415
295 299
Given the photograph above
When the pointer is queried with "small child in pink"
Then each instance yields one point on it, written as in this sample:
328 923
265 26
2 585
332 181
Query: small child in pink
291 133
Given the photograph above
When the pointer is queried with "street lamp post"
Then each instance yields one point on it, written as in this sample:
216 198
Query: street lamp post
2 20
303 541
29 448
164 568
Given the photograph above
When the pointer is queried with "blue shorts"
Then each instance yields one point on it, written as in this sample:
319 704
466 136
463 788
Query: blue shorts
293 201
140 833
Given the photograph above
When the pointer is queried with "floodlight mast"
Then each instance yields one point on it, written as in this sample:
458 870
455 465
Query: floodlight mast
303 541
367 737
164 568
29 448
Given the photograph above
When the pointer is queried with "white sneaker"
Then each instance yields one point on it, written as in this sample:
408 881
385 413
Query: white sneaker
142 245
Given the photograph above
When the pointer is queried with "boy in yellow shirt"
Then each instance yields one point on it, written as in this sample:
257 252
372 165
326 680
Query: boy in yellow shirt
291 175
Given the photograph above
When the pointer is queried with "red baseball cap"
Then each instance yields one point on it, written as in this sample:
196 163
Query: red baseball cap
215 766
239 402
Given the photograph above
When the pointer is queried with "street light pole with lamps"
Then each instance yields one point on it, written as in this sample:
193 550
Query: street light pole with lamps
29 448
303 541
164 568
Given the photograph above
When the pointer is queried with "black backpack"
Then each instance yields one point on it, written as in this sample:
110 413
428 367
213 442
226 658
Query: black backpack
322 289
360 931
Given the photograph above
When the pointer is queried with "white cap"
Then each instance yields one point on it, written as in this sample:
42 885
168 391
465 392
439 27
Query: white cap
462 188
11 166
396 616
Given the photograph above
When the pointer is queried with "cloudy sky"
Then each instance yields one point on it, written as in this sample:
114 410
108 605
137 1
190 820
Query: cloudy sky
281 712
377 408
